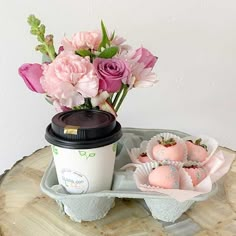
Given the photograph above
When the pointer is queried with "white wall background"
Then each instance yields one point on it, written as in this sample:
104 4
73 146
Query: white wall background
195 41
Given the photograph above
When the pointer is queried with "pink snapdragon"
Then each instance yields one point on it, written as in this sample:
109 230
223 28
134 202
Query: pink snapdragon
31 74
69 79
83 40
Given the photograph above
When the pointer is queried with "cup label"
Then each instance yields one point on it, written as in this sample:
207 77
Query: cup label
74 181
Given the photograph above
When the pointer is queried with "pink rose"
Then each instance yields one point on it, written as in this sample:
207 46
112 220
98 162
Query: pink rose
83 40
69 79
111 73
145 57
31 74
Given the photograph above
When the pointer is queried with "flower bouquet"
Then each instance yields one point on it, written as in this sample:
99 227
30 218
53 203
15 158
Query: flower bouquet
86 79
92 69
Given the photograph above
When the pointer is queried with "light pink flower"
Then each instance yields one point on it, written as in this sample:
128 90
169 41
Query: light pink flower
119 42
141 76
69 79
144 56
31 74
83 40
111 73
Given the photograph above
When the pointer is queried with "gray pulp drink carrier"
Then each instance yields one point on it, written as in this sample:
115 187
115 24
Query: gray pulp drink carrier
94 206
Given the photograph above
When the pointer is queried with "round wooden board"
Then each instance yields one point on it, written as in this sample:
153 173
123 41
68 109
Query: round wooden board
26 211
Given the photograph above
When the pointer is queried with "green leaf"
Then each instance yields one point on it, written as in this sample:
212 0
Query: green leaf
198 141
108 52
112 36
48 99
84 53
82 107
105 39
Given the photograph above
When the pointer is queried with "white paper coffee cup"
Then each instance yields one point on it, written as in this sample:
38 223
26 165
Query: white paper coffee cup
85 170
84 149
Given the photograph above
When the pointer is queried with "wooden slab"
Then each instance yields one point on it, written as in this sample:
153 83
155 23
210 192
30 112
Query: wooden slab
26 211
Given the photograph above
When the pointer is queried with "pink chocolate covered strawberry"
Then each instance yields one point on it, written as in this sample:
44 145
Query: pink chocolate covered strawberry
196 150
197 174
164 177
144 158
168 150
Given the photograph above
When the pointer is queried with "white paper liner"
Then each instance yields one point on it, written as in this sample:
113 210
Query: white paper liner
186 182
211 144
177 164
142 172
217 167
153 142
134 153
129 166
192 163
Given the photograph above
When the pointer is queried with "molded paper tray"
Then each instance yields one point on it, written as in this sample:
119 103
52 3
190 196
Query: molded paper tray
94 206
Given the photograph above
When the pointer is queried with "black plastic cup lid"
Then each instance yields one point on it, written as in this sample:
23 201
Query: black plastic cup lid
83 129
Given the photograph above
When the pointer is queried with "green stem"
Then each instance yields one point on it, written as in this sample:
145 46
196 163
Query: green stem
109 100
117 97
125 90
51 51
111 96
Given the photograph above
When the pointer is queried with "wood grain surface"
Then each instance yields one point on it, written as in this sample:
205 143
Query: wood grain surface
26 211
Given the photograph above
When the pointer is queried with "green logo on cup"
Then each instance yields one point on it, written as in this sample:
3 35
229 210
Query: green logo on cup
87 154
54 150
114 146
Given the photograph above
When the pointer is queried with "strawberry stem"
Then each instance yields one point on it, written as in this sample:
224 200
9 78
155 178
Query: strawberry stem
167 143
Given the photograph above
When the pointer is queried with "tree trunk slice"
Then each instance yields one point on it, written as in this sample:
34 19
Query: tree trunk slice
26 211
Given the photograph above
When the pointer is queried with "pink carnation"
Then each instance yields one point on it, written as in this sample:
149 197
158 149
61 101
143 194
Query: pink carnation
69 79
83 40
